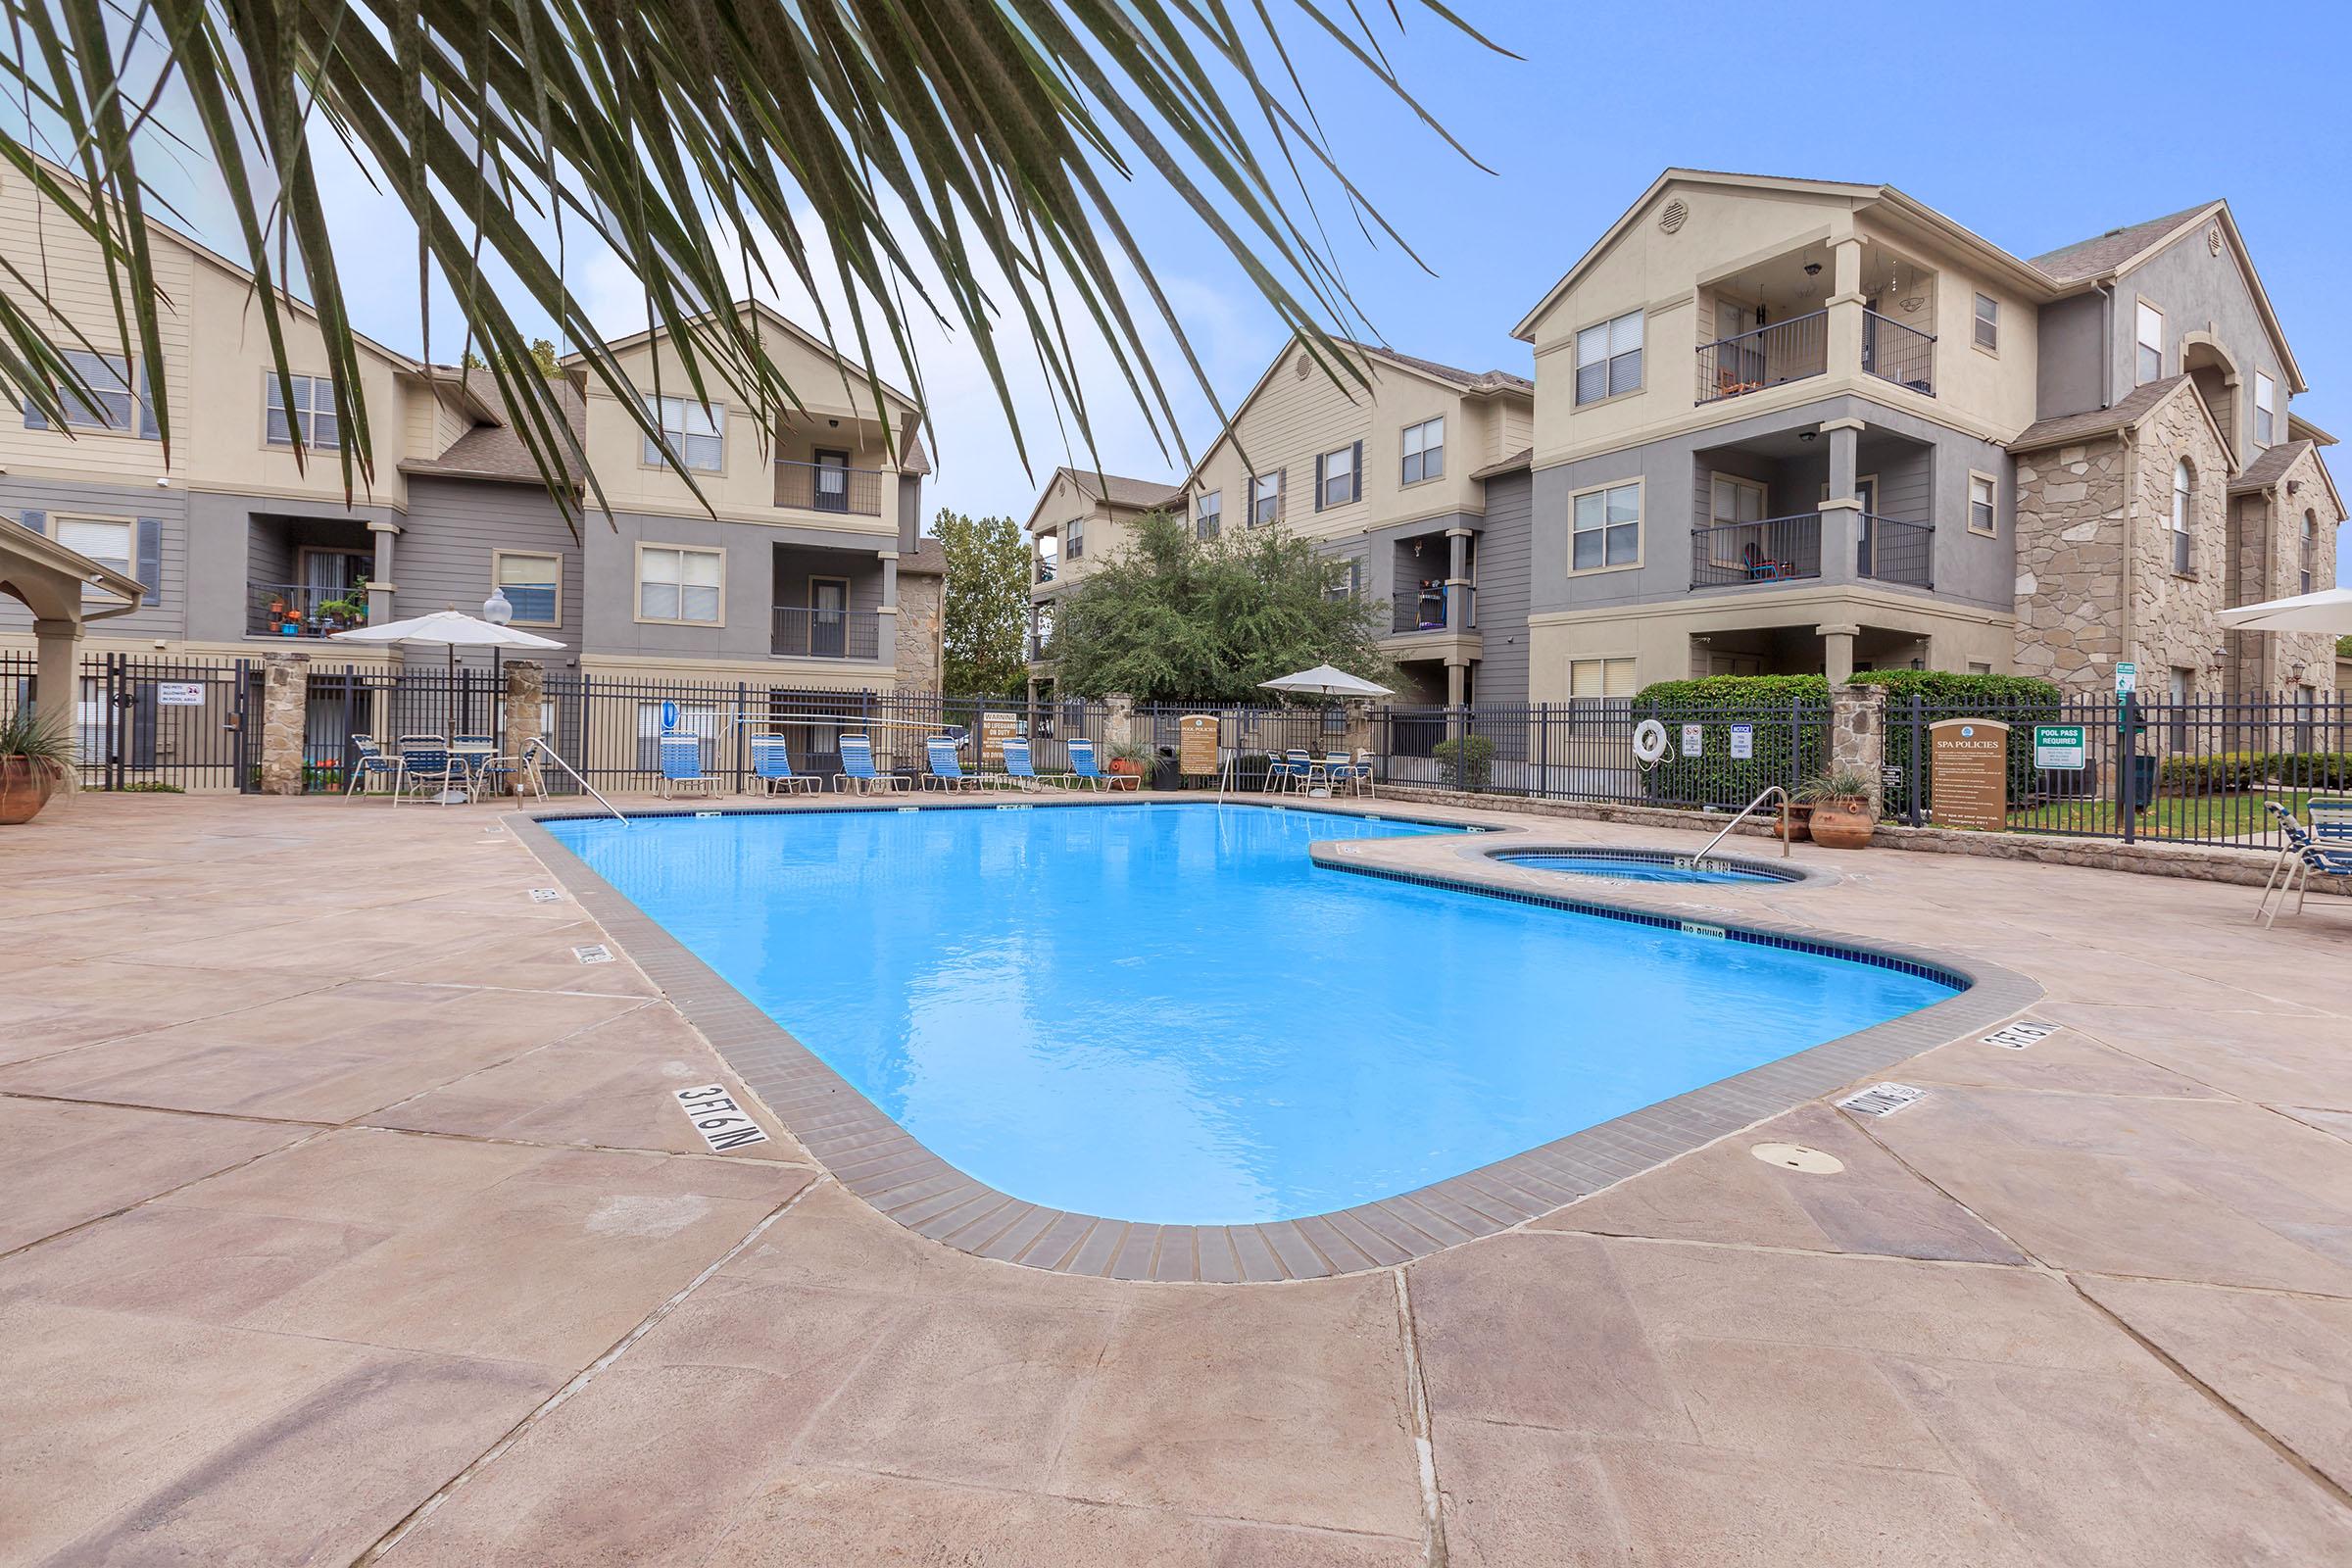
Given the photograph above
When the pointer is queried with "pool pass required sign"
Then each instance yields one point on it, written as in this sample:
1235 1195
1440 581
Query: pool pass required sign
1970 773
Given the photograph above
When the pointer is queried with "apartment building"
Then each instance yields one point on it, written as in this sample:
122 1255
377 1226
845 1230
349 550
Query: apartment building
805 571
1804 426
1081 518
1791 426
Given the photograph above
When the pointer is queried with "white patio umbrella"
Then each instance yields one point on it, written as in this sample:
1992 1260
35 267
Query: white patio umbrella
445 628
1324 682
2328 610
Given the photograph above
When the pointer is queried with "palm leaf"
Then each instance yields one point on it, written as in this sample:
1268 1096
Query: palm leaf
962 160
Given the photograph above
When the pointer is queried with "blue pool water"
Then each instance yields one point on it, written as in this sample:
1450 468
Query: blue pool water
1164 1013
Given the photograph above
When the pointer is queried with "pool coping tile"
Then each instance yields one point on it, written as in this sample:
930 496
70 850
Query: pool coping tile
895 1173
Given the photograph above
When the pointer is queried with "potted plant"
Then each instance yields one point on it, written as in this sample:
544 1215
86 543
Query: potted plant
1840 816
1130 761
36 760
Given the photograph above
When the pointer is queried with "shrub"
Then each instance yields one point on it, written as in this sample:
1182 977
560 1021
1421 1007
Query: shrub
2019 701
1468 760
1789 724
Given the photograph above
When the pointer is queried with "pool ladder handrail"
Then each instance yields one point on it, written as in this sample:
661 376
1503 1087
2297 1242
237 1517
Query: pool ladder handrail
1770 790
535 748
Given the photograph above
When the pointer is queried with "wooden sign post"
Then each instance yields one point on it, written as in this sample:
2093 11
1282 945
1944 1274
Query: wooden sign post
1968 774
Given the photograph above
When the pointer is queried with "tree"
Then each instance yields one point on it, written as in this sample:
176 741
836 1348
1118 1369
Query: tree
987 600
542 356
1170 618
966 163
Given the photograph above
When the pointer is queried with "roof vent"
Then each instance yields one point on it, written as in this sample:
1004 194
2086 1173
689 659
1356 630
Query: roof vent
1305 364
1675 214
2212 240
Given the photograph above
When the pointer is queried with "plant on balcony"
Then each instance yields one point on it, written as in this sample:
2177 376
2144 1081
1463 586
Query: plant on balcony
36 760
346 611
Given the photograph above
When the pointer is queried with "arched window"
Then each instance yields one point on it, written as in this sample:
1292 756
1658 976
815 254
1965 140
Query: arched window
2309 558
2183 483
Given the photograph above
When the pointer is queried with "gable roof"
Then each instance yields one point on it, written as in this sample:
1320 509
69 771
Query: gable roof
2126 412
775 318
496 452
1118 490
2100 254
1467 381
2268 468
928 559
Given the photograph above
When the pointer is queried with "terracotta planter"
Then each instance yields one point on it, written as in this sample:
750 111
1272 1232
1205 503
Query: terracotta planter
1799 819
24 790
1841 824
1126 774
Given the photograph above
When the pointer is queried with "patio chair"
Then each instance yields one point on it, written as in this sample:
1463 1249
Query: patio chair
1083 771
1279 775
1019 774
426 764
2304 864
858 774
369 762
771 767
946 767
682 767
2330 820
499 776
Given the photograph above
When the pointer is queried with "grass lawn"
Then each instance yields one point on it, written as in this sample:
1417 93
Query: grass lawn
2171 816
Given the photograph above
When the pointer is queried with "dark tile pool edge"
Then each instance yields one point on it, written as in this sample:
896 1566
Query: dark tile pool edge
871 1156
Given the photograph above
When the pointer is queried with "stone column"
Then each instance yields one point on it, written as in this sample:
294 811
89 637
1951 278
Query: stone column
1118 723
1359 724
527 689
55 690
1837 652
285 703
1858 733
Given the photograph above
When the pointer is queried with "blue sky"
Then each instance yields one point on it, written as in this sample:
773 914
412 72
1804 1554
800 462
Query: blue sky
2034 126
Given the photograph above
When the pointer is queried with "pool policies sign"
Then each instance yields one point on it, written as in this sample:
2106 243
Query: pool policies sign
1970 773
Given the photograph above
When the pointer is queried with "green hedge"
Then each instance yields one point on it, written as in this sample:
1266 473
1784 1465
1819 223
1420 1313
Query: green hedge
2223 772
1469 760
1789 717
2019 701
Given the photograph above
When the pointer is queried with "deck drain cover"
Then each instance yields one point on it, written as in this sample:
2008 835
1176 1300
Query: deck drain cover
1881 1099
1796 1156
597 953
2021 1033
545 895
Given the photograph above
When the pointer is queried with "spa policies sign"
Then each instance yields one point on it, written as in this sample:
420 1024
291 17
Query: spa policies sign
1970 773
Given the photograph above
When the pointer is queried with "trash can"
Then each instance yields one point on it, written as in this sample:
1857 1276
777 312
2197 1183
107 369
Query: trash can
1163 771
2143 781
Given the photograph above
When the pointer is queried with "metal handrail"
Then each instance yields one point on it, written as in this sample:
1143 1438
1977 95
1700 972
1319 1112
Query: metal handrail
536 746
1770 790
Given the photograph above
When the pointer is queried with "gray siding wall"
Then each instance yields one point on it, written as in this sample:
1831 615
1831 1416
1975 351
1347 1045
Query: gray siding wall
442 559
911 513
2199 292
2070 374
793 567
169 509
235 540
1933 487
610 610
1503 585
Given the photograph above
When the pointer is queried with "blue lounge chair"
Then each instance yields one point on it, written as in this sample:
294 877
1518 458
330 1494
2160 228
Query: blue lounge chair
1017 771
771 767
858 774
368 763
2331 820
946 769
682 767
1082 763
2324 849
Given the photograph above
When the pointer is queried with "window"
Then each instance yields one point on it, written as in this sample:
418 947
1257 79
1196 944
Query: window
1209 515
1424 450
1595 681
312 413
2265 408
111 403
1265 499
1982 518
2151 343
532 584
695 433
1347 582
2183 485
1607 528
2307 557
1733 500
1609 359
678 585
1073 533
107 543
1988 322
1336 477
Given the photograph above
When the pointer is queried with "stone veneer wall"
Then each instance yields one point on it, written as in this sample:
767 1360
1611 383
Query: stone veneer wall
921 654
2280 574
2173 622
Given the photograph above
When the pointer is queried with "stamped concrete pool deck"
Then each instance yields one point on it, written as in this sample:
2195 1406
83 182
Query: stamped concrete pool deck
351 1218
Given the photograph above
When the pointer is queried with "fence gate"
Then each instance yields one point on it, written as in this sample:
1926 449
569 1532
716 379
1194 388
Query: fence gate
165 723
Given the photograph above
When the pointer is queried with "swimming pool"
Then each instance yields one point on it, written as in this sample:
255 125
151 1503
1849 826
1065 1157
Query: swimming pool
1167 1013
1646 865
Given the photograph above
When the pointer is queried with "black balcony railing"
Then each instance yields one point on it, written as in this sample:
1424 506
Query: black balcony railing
829 487
1724 555
1422 608
1892 551
827 633
1894 351
294 610
1785 351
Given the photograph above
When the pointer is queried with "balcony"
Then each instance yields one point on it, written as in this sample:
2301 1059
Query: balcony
1422 610
1894 351
294 610
1733 555
1770 356
829 487
1044 568
826 633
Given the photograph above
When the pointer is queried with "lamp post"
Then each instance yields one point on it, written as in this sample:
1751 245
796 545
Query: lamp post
497 610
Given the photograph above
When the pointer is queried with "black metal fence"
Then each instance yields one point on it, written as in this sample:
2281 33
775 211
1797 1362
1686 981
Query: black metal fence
164 723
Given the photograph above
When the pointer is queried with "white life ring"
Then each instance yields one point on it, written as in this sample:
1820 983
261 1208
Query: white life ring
1649 740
